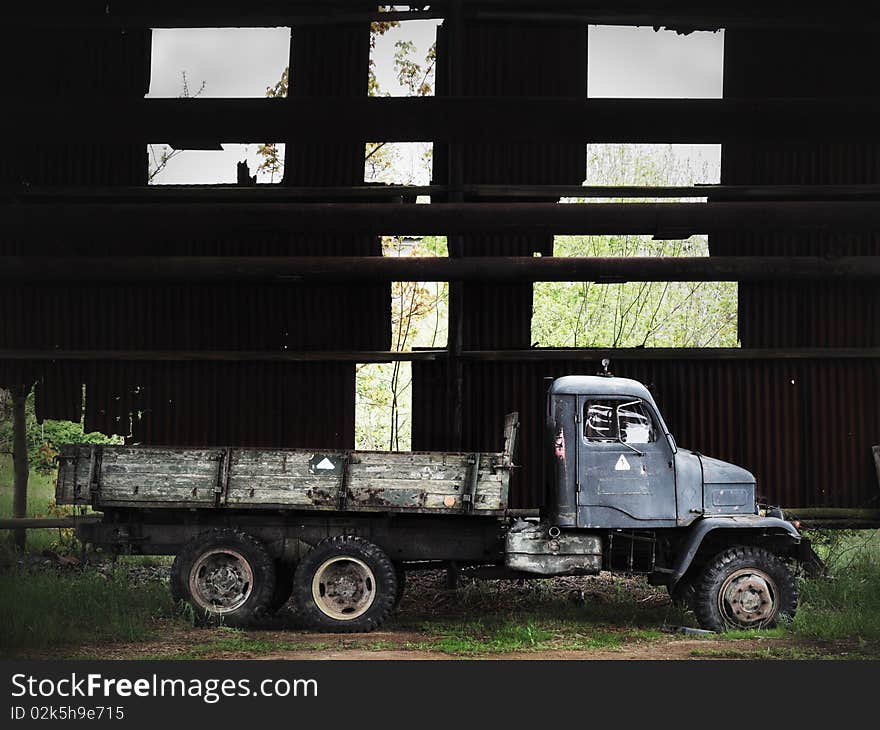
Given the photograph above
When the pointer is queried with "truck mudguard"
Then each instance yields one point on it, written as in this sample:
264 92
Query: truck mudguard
703 527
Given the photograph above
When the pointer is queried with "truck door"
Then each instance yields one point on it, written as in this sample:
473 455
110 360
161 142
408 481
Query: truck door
625 472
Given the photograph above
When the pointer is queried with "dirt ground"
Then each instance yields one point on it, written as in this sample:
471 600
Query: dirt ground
195 643
602 617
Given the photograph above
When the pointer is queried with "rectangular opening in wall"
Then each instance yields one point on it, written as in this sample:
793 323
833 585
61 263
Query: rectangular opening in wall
639 62
183 163
202 63
638 314
419 319
402 63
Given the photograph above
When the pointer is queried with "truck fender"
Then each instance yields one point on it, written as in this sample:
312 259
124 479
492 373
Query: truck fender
703 527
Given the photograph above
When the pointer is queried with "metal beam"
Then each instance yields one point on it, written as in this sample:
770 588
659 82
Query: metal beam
661 220
530 355
462 119
269 13
375 269
265 193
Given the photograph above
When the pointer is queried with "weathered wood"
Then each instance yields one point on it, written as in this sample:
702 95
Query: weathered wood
39 523
833 513
297 479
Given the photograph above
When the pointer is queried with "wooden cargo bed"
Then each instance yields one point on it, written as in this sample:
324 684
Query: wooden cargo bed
294 479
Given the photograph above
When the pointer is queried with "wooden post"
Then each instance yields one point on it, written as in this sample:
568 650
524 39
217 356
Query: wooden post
20 460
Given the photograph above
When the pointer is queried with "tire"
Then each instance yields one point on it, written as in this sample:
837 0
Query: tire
283 585
226 576
344 585
744 588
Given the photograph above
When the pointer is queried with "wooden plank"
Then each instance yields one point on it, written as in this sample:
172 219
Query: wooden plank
147 474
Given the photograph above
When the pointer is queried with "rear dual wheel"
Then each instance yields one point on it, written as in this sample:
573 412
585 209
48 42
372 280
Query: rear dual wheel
226 576
345 584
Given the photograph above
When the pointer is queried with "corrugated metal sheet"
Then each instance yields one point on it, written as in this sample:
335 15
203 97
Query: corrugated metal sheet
805 428
192 403
802 64
511 59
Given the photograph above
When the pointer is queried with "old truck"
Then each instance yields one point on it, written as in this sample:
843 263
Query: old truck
337 530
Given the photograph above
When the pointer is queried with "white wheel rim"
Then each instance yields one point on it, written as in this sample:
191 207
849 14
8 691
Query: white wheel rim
344 588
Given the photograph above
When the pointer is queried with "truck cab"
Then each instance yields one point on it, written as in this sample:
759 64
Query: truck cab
615 464
621 495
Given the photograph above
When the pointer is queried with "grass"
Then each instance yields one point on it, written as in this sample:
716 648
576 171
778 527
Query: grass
846 605
44 609
40 503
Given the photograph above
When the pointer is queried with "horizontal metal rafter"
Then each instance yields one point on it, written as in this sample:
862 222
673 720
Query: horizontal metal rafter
377 269
461 119
269 13
283 193
422 355
661 220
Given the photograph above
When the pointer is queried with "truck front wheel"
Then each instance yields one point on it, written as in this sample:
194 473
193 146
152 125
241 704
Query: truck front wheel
345 584
744 587
226 576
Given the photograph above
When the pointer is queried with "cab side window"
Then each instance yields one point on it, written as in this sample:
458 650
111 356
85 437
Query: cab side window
624 420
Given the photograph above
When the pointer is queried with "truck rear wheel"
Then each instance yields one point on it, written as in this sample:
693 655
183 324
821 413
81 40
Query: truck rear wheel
226 576
744 588
345 584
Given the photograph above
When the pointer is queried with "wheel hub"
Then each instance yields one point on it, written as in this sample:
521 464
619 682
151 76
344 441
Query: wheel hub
221 581
344 588
748 599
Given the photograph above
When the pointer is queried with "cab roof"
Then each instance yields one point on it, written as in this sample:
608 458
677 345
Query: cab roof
600 385
604 385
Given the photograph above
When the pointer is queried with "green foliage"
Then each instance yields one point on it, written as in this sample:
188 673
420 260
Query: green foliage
847 604
46 439
40 503
418 319
636 314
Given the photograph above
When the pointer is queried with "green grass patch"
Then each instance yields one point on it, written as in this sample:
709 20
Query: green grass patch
847 604
45 609
40 503
501 635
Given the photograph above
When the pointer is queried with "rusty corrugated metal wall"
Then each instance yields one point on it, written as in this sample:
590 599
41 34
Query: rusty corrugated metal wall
511 59
269 404
804 427
802 64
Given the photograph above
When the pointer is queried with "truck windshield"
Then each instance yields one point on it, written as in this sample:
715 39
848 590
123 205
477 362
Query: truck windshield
618 420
